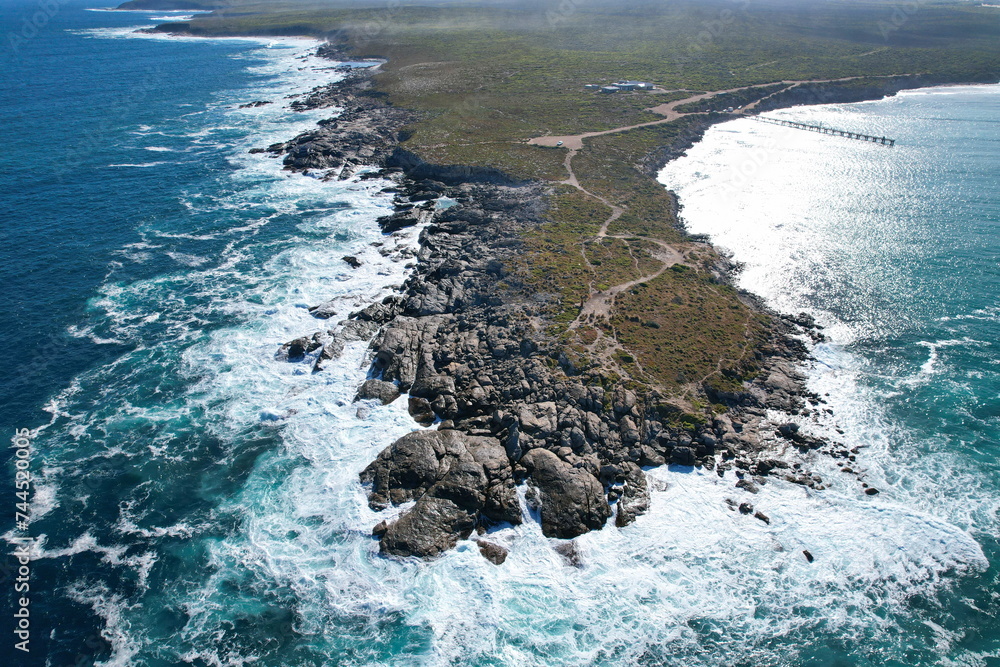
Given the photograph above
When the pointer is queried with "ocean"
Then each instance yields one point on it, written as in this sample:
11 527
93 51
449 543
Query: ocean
196 502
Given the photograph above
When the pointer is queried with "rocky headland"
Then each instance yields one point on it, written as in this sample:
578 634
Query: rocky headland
465 343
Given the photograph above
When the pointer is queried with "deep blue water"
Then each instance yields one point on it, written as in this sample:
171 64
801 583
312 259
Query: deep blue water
67 112
197 501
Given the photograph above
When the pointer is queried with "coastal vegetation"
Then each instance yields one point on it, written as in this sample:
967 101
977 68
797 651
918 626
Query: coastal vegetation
485 78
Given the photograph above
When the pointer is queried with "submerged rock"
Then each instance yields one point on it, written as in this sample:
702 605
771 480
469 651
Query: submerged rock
494 553
570 553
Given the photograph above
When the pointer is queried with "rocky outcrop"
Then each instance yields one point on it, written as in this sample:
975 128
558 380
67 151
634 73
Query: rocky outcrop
570 500
350 331
467 344
635 496
296 350
459 481
385 392
365 133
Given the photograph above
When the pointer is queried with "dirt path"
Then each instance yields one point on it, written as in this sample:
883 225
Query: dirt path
599 303
574 142
616 211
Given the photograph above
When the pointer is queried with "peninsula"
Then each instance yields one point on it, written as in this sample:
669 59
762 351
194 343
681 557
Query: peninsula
560 327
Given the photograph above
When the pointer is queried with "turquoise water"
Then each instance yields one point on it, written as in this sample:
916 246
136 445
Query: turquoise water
895 252
197 502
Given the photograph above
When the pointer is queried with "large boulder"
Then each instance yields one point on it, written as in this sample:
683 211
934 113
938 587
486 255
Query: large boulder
408 467
458 481
682 456
433 526
386 392
500 502
380 313
405 346
325 310
399 220
296 350
421 410
572 500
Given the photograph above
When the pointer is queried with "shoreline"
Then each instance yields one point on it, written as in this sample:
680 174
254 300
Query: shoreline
239 475
479 401
883 383
415 326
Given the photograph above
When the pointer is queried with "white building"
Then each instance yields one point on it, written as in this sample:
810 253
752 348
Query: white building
634 85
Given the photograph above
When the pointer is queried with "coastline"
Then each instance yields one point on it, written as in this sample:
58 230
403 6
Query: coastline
477 400
907 367
472 396
200 475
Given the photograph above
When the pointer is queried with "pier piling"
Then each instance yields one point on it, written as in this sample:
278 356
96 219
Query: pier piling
884 141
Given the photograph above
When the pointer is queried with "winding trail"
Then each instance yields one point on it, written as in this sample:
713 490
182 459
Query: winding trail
599 303
669 111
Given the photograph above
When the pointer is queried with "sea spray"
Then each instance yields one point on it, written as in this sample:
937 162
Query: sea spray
203 503
886 249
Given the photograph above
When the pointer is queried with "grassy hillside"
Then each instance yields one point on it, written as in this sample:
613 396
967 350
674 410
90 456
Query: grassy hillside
485 78
505 73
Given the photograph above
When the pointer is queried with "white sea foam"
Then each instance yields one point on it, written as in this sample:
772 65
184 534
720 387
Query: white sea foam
172 13
690 560
930 368
140 165
113 555
175 17
751 188
137 32
689 565
111 608
186 259
691 578
43 497
189 237
981 314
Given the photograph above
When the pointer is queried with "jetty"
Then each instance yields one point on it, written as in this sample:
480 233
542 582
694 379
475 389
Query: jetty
822 129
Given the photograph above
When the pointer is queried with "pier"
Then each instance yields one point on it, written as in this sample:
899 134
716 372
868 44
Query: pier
885 141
